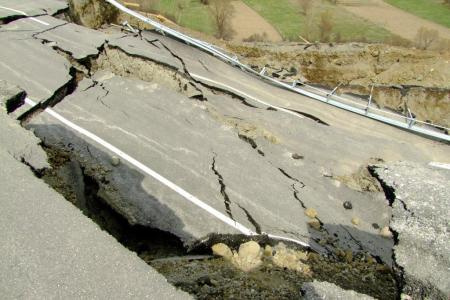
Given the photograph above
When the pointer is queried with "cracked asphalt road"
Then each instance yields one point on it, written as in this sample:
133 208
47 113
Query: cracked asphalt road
210 129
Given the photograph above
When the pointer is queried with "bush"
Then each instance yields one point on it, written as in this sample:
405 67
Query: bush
326 25
426 37
256 37
222 12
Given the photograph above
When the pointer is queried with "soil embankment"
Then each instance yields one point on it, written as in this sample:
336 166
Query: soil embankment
402 78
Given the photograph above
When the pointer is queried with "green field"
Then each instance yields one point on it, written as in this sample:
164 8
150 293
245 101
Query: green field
287 18
433 10
194 16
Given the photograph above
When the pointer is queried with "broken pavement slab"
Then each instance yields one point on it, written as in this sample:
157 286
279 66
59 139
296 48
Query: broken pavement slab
10 9
321 290
51 250
11 96
420 197
26 62
23 145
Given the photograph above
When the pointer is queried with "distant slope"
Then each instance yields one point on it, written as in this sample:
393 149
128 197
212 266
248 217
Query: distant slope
432 10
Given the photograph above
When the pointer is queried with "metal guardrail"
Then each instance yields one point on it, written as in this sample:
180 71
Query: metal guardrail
405 122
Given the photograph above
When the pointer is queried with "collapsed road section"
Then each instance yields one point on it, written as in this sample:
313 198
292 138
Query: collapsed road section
202 154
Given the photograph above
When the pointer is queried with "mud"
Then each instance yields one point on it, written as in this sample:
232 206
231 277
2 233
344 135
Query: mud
402 78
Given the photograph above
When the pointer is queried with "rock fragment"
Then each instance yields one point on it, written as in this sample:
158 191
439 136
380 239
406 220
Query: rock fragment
356 221
291 259
249 256
386 232
222 250
268 251
314 223
348 205
311 212
249 250
115 161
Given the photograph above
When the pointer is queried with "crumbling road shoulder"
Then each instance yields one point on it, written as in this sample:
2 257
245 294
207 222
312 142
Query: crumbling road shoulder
420 197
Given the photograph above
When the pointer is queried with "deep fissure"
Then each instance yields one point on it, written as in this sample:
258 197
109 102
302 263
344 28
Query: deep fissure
223 192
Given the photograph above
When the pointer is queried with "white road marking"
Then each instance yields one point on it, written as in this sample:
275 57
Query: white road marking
25 14
161 178
246 95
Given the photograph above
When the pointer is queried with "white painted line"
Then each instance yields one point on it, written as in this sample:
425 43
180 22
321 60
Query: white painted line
25 14
246 95
439 165
159 177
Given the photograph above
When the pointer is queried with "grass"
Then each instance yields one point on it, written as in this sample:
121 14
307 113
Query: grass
286 17
433 10
195 16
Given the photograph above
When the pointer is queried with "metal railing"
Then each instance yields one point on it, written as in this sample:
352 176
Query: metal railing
405 122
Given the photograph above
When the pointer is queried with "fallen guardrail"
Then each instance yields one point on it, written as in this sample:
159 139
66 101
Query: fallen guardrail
364 109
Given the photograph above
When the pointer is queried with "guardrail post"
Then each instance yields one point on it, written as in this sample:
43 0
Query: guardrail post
333 91
370 100
263 71
410 119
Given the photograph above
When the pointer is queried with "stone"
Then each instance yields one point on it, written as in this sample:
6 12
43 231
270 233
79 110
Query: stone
348 256
249 250
311 212
386 232
348 205
356 221
291 259
115 161
249 256
222 250
268 250
314 223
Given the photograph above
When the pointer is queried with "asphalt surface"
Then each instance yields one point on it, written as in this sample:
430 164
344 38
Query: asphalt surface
202 149
49 248
155 122
421 197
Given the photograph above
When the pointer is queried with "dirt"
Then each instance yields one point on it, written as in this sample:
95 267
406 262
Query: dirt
247 23
92 13
403 78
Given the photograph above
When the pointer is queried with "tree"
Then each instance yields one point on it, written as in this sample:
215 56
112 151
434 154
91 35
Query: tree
222 12
326 25
306 6
425 37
